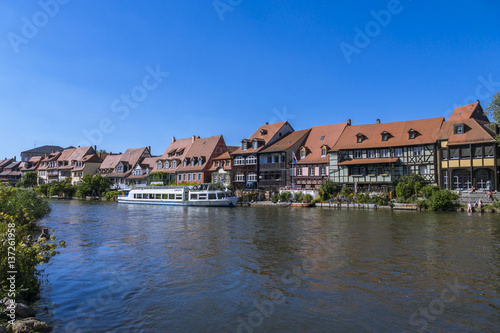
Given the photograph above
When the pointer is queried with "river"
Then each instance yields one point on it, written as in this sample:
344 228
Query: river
134 268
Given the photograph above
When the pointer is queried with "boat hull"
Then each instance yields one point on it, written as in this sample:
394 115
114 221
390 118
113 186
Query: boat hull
229 202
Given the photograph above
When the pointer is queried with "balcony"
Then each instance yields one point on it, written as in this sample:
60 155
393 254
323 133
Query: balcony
53 173
272 183
268 166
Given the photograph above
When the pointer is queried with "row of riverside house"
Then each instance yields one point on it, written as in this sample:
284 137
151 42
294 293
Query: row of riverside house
456 154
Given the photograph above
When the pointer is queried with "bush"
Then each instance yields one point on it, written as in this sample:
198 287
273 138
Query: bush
345 191
328 189
275 198
428 191
441 199
409 186
307 198
298 197
285 196
19 209
112 195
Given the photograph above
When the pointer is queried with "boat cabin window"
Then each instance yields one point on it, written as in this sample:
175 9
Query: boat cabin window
164 196
171 196
194 196
203 196
178 197
212 196
222 195
158 196
151 196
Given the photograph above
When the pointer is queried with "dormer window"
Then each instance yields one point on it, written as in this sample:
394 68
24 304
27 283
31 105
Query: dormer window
158 165
185 162
255 144
323 152
458 129
200 161
359 138
192 162
165 165
263 132
303 153
385 136
244 145
412 134
322 138
174 164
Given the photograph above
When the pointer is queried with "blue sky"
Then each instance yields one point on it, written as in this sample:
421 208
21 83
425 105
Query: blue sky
79 72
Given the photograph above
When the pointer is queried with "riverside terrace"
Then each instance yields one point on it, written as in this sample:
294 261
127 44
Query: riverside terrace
457 154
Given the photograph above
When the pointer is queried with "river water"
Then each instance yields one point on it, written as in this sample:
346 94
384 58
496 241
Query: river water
134 268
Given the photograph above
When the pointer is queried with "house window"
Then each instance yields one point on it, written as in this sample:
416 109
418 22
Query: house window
411 134
311 171
200 161
489 151
359 139
251 160
423 169
299 171
454 153
252 177
199 176
165 165
239 177
380 171
322 171
478 152
357 154
192 162
323 152
184 177
358 171
216 163
371 154
255 144
398 152
194 176
302 153
385 136
459 129
240 160
180 177
244 145
158 165
406 170
384 153
417 151
174 164
465 152
445 180
445 154
185 163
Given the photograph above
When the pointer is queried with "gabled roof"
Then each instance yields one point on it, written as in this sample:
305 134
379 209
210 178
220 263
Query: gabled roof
149 162
182 145
264 133
111 161
474 132
204 147
42 150
326 135
65 154
287 141
133 155
226 155
427 133
6 161
12 165
471 111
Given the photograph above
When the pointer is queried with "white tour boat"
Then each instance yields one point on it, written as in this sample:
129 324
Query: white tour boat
200 195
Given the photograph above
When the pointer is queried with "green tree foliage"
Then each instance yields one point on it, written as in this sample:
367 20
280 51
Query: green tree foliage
328 189
285 196
29 180
409 186
345 191
441 199
19 210
93 185
298 197
493 108
57 188
307 198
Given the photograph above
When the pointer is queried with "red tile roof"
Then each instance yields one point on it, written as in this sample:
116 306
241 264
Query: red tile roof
474 132
287 141
111 161
205 148
473 110
320 136
265 133
427 132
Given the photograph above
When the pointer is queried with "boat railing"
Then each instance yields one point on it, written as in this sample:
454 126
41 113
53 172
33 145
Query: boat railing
159 187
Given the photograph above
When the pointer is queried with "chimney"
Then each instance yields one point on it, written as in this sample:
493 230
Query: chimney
149 148
193 138
348 122
173 139
95 149
377 122
267 123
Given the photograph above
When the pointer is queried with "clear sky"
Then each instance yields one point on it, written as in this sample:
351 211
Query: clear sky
127 74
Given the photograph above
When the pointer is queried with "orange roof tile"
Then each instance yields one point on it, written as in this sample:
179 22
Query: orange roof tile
326 135
427 133
474 132
111 161
203 147
264 133
287 141
133 155
473 110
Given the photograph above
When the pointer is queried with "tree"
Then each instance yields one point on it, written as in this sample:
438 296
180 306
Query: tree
328 189
493 110
94 185
28 180
409 186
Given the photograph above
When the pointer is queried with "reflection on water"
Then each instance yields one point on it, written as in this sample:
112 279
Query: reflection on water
131 268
